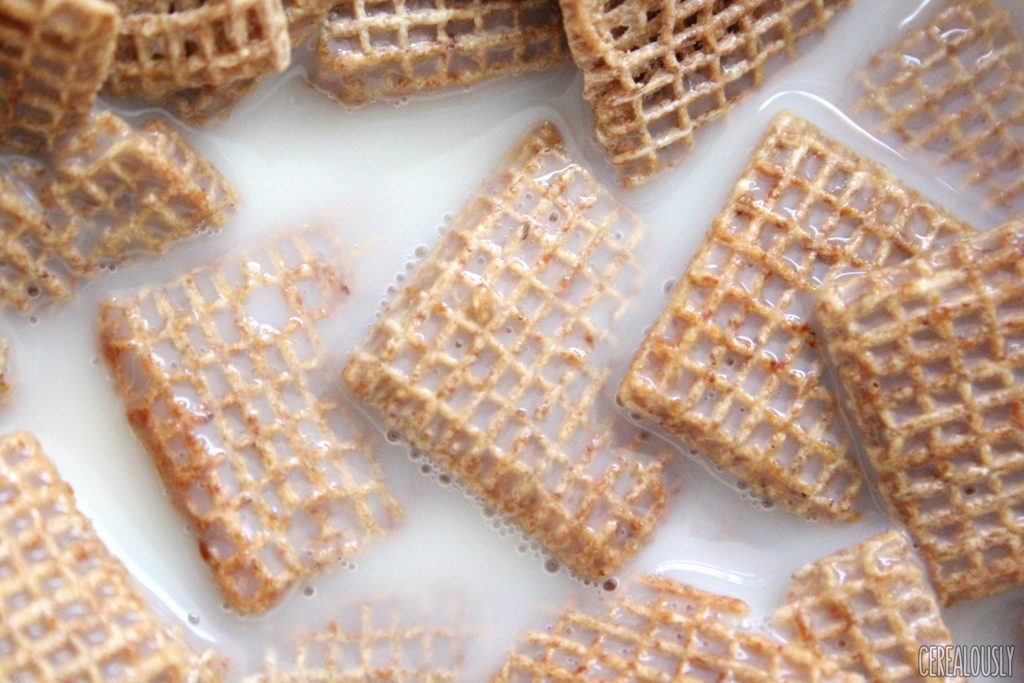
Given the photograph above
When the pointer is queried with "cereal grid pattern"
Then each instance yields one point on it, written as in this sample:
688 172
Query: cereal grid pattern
954 92
369 50
655 71
54 59
664 632
68 608
160 51
210 103
220 374
113 193
869 608
381 646
494 358
732 365
932 356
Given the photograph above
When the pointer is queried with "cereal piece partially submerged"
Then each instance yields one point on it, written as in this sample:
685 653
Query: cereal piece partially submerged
931 354
376 641
731 366
868 607
660 631
163 47
655 71
495 358
369 50
54 58
209 103
68 608
222 375
952 92
113 193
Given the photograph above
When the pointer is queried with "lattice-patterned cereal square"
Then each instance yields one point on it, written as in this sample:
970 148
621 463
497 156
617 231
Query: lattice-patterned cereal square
375 639
68 608
163 48
931 354
655 71
659 631
112 193
223 378
731 366
55 58
369 50
868 607
951 93
502 378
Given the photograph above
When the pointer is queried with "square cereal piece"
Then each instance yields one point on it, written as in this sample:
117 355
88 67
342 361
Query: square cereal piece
495 358
54 59
164 46
731 366
69 610
223 378
868 607
659 631
375 639
931 355
368 50
112 194
951 94
655 72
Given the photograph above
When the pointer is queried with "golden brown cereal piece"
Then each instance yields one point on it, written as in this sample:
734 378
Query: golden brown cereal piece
952 92
223 378
54 58
655 71
163 48
931 354
660 631
113 193
495 360
211 103
731 366
369 50
868 607
68 608
377 641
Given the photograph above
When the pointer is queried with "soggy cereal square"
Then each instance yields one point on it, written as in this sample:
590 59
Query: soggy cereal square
368 50
869 608
495 359
732 366
655 71
54 58
931 355
660 631
223 378
69 610
951 94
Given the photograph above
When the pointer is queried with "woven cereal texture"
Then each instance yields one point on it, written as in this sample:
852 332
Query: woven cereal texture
368 50
951 94
661 632
163 48
868 607
655 71
112 193
931 354
68 608
54 59
376 641
731 366
494 360
222 375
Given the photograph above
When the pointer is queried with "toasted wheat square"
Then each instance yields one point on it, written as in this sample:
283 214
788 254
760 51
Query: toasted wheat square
731 366
931 356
